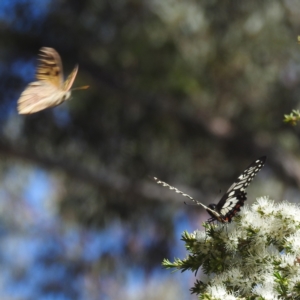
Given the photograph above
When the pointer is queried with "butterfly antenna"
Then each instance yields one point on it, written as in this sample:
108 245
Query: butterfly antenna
164 184
188 204
81 88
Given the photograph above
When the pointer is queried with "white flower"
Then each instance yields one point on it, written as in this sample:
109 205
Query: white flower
260 257
219 279
276 228
293 242
253 220
293 280
268 277
244 212
287 260
265 205
266 291
200 236
235 274
289 211
233 239
219 292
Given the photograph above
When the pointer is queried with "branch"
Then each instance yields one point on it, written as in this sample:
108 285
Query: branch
103 179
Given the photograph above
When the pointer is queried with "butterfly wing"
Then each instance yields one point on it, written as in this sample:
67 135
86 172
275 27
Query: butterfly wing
235 197
69 82
50 67
40 95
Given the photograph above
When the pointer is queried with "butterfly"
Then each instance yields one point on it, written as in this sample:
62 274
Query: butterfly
50 89
232 201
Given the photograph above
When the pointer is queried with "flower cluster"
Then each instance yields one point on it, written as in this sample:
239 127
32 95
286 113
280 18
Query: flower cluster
257 256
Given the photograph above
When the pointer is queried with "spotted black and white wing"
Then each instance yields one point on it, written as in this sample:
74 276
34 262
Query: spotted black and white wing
235 197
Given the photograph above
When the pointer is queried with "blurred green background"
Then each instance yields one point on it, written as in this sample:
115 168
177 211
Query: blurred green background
188 91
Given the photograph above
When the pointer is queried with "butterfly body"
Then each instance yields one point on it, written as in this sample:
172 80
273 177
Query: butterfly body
50 89
229 209
235 197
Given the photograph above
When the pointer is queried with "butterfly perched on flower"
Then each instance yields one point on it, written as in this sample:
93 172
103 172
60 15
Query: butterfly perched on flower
232 201
50 89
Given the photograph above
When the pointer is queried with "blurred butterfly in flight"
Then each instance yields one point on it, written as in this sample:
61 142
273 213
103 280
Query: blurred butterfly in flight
232 201
50 89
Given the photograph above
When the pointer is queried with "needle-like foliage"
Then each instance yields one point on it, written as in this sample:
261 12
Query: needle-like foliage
256 256
292 118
